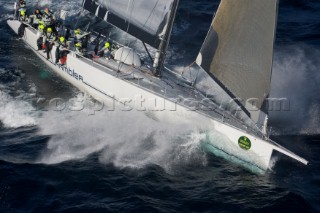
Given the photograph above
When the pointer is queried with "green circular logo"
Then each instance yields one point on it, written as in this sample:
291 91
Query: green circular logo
244 143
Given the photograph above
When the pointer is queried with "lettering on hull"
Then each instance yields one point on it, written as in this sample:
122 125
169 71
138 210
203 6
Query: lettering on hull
72 73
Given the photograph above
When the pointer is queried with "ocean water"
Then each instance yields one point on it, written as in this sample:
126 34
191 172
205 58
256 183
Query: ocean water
60 159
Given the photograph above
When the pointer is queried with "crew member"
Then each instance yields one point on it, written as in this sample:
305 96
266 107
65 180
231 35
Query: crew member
40 41
48 13
49 19
22 4
35 18
22 15
105 51
79 49
22 10
49 33
49 37
38 14
62 50
81 41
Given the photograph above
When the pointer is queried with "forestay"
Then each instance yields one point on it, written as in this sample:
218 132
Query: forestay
238 50
144 19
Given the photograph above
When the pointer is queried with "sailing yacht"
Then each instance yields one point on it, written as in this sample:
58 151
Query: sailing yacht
234 65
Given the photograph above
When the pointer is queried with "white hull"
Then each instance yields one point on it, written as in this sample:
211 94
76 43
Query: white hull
97 81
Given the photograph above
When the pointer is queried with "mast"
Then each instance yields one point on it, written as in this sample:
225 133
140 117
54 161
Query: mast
162 51
154 29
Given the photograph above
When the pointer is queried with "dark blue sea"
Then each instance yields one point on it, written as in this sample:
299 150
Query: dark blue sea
85 161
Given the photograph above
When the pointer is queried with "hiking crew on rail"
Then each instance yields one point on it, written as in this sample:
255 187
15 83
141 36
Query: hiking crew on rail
51 32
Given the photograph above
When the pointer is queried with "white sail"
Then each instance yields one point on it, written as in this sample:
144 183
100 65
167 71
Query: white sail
144 19
238 50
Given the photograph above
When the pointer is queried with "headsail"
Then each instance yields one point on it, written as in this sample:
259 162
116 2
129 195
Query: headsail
238 50
144 19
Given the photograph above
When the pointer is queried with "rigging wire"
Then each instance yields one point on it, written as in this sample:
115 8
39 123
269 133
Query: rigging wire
79 14
129 8
147 20
143 26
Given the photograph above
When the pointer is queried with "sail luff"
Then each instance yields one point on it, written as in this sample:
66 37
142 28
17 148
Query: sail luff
275 34
238 50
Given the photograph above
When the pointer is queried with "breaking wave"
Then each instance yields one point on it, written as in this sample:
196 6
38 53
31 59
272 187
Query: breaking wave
132 139
124 139
15 113
15 110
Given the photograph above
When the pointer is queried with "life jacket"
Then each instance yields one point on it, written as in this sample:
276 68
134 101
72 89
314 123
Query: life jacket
36 18
47 20
77 38
62 45
48 15
49 35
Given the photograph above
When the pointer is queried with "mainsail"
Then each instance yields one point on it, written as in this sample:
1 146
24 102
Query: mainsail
144 19
238 50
